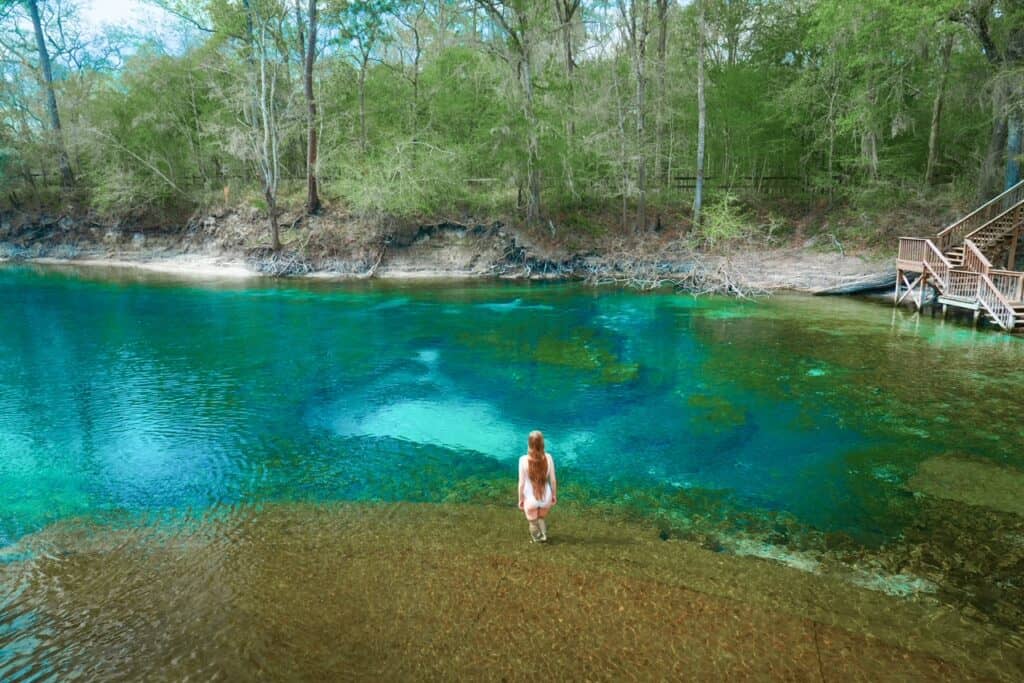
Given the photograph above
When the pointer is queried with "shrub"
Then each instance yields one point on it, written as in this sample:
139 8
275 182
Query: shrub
724 221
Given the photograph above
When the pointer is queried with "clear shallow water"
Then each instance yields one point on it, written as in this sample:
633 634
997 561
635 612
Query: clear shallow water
140 397
798 420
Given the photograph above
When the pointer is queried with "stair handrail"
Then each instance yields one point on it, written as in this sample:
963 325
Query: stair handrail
937 263
952 235
911 249
963 284
1009 282
974 260
995 303
972 233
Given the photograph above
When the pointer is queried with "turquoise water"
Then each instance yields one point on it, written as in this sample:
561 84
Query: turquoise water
869 446
147 396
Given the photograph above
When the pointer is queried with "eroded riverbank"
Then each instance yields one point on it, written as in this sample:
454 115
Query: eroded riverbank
229 246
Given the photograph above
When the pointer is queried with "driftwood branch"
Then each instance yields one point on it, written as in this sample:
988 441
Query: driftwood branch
695 278
673 265
627 265
380 257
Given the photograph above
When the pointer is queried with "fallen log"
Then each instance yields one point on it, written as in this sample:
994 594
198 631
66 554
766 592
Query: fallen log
864 285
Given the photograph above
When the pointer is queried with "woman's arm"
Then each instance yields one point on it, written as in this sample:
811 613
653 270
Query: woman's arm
554 481
522 483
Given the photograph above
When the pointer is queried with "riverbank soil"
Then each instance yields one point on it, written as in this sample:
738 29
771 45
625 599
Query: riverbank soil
412 591
333 245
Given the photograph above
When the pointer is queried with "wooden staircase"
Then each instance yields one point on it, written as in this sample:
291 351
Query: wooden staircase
956 267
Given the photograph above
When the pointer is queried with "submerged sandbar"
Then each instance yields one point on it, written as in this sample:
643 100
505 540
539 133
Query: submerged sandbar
304 591
971 481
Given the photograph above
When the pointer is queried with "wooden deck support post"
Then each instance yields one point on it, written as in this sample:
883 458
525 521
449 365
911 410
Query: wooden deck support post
918 284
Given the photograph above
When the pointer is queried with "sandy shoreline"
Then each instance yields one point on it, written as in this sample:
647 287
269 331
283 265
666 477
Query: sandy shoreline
779 270
185 266
213 267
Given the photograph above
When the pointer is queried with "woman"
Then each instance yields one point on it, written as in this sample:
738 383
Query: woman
537 474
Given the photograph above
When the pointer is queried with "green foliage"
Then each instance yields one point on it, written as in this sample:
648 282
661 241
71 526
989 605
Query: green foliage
724 221
423 112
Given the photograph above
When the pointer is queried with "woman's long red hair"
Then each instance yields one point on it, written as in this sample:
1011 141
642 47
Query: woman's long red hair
537 463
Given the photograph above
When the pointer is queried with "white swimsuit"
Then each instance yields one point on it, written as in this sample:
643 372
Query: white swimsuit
530 500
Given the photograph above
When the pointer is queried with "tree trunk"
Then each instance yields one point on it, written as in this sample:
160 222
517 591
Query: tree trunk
1013 145
533 144
1005 133
362 106
520 37
869 136
67 180
252 116
415 112
869 152
194 132
566 10
623 151
312 143
641 159
1014 56
701 119
299 26
933 134
636 16
301 141
266 135
275 230
992 172
660 166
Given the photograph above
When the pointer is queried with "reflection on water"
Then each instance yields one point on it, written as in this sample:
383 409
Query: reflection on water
797 429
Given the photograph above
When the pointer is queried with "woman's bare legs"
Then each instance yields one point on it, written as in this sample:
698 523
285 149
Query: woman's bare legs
542 522
534 517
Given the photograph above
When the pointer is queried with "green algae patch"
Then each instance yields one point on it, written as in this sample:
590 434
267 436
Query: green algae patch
584 351
728 313
970 481
714 413
882 381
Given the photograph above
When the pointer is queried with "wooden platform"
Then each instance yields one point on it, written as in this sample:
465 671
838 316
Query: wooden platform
955 268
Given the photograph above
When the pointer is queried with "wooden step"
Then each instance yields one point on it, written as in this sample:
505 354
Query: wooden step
1018 309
